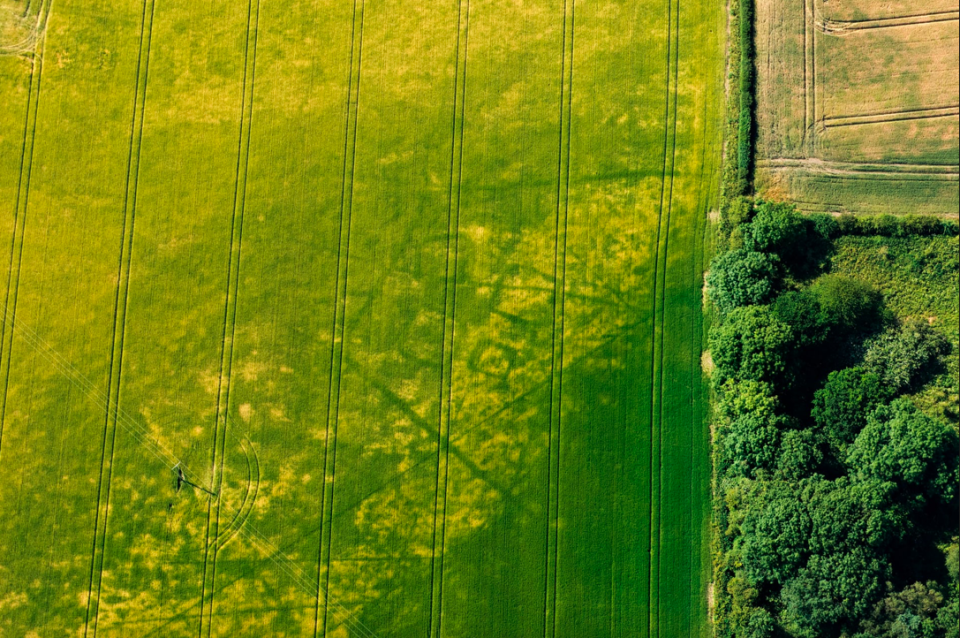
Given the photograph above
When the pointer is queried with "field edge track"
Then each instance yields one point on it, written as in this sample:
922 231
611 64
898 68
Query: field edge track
20 215
552 546
338 327
215 505
445 404
659 316
111 414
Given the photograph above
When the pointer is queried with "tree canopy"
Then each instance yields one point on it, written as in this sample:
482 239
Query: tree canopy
743 277
753 344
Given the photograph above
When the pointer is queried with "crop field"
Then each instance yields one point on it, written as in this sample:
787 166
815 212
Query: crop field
350 319
857 105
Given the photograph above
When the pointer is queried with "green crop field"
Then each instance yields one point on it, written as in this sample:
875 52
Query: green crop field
344 318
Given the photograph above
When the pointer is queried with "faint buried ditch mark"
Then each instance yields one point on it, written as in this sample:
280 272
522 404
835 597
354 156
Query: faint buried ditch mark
151 439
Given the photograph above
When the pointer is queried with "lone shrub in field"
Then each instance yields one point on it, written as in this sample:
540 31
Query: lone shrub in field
902 445
753 344
742 278
900 357
841 407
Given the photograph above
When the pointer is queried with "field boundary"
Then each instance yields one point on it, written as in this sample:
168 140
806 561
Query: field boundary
351 114
111 415
559 298
19 222
224 382
449 322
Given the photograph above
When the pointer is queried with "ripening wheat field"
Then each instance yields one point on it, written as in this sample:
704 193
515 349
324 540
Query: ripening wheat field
355 318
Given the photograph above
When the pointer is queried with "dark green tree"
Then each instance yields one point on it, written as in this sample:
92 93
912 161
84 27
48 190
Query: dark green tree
776 227
841 407
776 534
853 525
848 514
759 625
742 278
799 454
753 344
832 592
848 305
901 445
750 444
801 310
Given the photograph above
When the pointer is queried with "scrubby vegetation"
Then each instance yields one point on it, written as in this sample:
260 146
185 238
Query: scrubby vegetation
836 483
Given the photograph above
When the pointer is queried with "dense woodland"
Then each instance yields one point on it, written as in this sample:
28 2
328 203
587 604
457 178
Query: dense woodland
836 496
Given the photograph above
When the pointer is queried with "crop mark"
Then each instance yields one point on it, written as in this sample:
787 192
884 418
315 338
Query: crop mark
351 111
449 322
19 221
111 415
214 510
552 557
92 391
659 284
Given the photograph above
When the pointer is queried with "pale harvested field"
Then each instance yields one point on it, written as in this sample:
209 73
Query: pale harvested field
858 105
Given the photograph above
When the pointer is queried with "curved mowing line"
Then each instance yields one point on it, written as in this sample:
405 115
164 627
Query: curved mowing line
111 416
20 220
559 289
229 320
249 496
320 619
445 407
